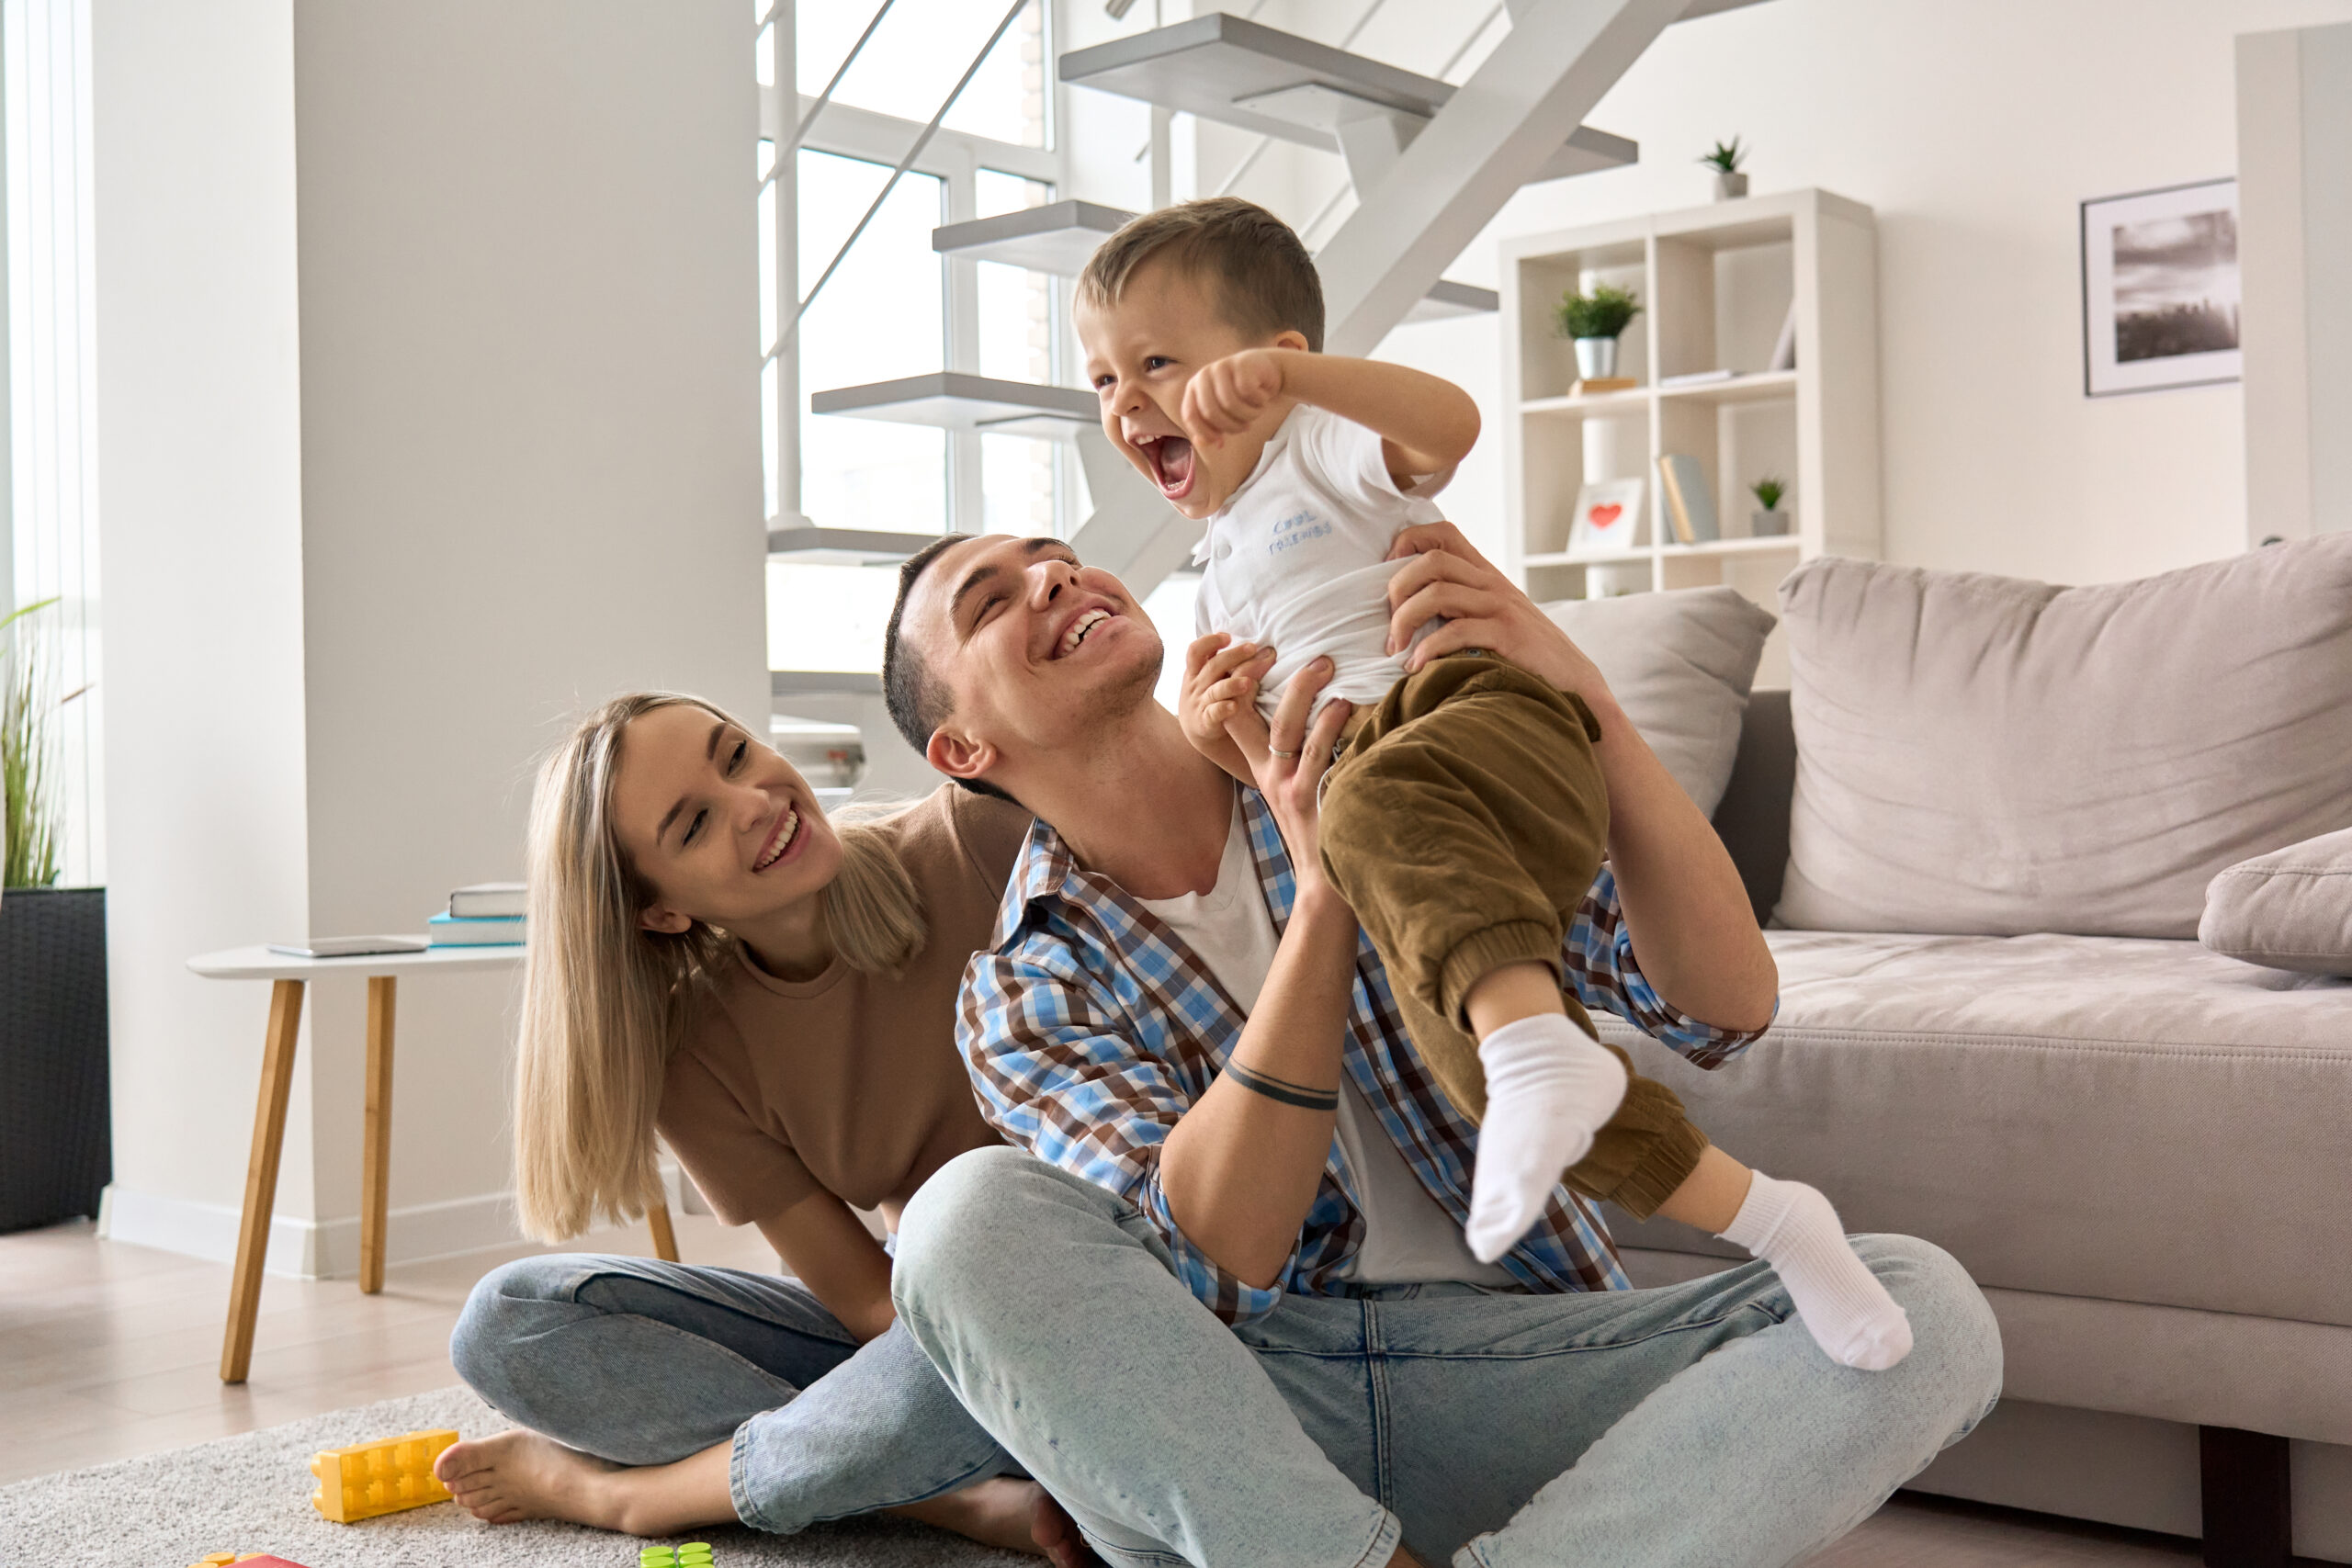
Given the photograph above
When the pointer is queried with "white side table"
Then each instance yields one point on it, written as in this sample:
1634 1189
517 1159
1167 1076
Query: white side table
290 975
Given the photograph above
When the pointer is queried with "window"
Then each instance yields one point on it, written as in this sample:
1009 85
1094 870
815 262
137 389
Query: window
49 521
893 307
881 317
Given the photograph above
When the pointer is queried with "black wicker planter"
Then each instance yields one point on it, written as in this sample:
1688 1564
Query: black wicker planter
56 1141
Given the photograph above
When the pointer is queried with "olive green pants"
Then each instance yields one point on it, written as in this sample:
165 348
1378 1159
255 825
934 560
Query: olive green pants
1465 820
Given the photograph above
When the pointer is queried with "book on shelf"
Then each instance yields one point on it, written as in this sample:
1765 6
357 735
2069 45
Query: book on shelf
484 930
1784 347
1593 386
1690 507
1698 378
483 900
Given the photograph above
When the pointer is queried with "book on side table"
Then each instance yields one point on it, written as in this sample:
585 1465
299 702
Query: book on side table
488 900
459 931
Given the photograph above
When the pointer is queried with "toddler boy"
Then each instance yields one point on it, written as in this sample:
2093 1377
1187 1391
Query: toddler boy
1466 817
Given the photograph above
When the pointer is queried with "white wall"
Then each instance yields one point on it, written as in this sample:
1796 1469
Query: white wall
528 477
199 423
1975 130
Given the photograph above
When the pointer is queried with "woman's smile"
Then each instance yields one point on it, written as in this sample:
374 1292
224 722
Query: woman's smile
781 842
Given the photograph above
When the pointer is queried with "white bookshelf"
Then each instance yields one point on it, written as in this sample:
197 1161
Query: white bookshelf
1715 282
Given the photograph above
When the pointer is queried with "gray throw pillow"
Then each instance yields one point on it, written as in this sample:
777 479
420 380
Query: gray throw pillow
1984 755
2288 909
1679 663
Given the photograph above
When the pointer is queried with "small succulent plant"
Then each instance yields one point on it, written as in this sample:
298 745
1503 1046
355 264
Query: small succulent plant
1767 492
1604 312
1726 157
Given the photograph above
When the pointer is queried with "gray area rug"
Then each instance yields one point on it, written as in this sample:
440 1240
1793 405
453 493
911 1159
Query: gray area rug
251 1493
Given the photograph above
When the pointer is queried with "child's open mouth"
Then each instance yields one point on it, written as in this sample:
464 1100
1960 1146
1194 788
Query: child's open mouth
1171 464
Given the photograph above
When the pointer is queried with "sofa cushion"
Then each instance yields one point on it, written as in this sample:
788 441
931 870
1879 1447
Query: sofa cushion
1681 663
1986 755
2140 1120
2288 909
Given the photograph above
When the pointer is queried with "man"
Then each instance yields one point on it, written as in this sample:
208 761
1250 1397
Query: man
1181 1023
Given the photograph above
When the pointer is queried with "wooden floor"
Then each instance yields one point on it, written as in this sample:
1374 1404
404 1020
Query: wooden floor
108 1351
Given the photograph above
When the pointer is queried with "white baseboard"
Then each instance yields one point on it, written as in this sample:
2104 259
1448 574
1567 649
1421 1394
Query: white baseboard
326 1249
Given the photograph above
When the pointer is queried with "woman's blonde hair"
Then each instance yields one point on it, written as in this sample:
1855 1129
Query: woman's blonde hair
605 1002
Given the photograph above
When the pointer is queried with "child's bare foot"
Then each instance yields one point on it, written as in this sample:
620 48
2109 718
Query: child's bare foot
1016 1516
520 1474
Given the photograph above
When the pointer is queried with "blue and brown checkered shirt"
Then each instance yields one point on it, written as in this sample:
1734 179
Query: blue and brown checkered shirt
1091 1028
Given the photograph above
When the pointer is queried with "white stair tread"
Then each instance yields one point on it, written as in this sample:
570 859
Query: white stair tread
954 400
1059 237
1055 238
843 546
1239 73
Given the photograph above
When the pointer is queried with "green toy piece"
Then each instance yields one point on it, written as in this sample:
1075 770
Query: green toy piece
694 1554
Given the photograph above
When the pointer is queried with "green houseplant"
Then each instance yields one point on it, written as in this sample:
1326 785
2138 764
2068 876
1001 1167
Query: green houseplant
1594 321
28 822
56 1149
1726 158
1771 519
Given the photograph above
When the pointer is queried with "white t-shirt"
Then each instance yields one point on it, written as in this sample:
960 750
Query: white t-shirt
1407 1239
1296 560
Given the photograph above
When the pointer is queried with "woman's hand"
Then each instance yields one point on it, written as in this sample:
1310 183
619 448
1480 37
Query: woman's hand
1221 680
1288 760
1446 576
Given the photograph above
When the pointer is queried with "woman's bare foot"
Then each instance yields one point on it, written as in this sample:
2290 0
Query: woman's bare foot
1017 1516
521 1475
524 1475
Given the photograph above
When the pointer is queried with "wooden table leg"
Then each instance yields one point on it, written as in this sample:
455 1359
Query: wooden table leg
376 1157
261 1178
666 1239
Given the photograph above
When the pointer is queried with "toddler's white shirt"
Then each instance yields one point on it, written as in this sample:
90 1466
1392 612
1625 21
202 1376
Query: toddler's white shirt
1296 558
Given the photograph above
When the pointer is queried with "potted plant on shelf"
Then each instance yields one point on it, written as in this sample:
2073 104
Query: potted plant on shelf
1593 321
1731 183
1772 521
56 1152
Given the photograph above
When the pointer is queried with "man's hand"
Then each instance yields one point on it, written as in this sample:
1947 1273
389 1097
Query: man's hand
1446 576
1288 760
1225 396
1221 680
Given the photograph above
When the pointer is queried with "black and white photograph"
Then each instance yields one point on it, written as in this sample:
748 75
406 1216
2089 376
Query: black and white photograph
2160 289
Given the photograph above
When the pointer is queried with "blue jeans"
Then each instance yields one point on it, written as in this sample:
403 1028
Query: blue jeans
645 1362
1693 1424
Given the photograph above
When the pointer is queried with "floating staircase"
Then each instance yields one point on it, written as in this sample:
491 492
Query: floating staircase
1431 164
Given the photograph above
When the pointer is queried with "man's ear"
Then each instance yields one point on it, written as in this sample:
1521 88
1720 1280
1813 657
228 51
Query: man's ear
1292 338
663 918
958 756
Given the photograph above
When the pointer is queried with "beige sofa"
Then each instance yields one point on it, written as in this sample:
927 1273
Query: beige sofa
1991 810
2138 1147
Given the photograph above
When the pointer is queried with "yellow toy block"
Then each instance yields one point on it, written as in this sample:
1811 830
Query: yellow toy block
367 1478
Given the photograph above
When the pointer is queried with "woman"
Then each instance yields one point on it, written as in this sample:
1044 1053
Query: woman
774 994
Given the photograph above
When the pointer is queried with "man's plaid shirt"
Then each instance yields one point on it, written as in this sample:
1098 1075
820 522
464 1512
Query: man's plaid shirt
1091 1028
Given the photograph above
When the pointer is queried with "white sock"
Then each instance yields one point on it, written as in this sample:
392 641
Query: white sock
1550 1087
1848 1312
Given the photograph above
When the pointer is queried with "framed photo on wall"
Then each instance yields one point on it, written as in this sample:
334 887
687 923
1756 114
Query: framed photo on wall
2160 289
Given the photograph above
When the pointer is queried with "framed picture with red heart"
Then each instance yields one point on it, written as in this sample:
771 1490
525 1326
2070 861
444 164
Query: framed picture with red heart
1608 519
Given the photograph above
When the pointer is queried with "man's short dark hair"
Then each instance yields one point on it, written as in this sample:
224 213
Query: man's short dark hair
1263 281
918 700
